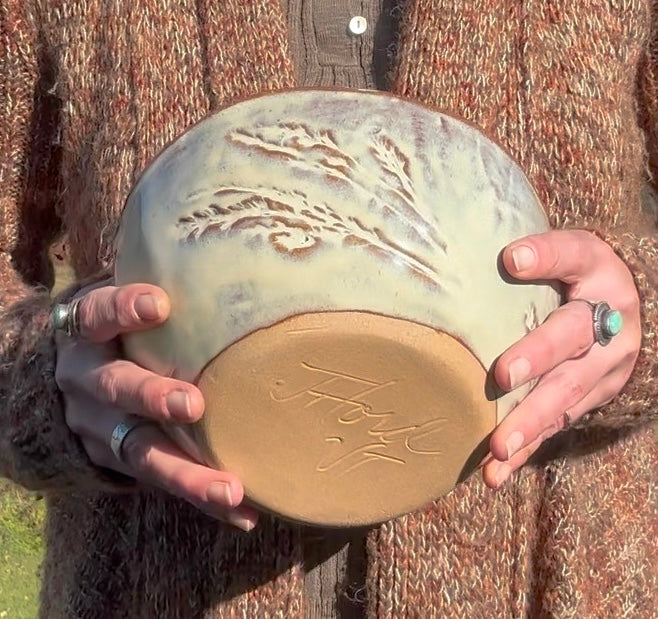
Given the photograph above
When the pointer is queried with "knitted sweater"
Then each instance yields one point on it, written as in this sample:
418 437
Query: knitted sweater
90 90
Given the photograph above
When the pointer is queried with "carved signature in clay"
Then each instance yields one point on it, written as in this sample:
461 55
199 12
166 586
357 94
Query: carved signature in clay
295 226
348 398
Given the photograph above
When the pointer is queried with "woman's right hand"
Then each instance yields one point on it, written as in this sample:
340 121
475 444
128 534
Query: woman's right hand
101 390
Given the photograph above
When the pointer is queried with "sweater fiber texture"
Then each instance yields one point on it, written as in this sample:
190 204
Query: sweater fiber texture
91 90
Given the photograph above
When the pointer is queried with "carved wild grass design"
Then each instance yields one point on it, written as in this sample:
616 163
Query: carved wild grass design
294 226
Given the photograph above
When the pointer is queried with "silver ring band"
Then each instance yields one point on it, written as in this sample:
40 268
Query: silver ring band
66 317
606 322
121 431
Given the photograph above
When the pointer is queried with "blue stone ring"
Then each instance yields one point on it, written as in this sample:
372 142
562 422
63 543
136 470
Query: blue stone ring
606 322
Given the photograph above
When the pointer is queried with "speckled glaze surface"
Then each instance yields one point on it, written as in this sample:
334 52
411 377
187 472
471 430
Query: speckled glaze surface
307 202
310 201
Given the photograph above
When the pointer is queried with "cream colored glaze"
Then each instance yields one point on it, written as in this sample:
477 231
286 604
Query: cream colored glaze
458 199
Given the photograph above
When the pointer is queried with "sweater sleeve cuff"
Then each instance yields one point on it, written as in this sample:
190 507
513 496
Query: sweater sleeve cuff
637 403
39 451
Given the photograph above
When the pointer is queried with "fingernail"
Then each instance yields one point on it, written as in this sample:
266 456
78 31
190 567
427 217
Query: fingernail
147 307
523 257
514 443
502 474
220 493
519 371
235 519
178 404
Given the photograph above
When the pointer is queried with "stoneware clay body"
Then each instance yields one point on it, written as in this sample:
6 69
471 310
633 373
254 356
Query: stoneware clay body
332 260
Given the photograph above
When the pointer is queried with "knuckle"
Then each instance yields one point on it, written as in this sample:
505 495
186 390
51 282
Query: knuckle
152 394
90 313
579 258
122 300
629 303
547 348
582 334
542 351
173 482
558 425
572 390
553 259
606 252
179 484
137 453
544 419
575 325
184 481
587 239
108 384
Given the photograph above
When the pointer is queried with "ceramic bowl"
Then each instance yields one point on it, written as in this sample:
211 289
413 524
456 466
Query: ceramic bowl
333 263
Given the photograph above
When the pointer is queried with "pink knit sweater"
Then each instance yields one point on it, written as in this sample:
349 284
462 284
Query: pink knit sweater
90 90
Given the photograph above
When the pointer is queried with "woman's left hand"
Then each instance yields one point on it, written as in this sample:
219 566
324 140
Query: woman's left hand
576 375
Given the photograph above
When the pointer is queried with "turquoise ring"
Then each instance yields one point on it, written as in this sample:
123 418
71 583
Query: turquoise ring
606 322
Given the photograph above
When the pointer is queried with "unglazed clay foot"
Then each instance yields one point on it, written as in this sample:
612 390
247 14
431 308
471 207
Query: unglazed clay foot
332 263
344 418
